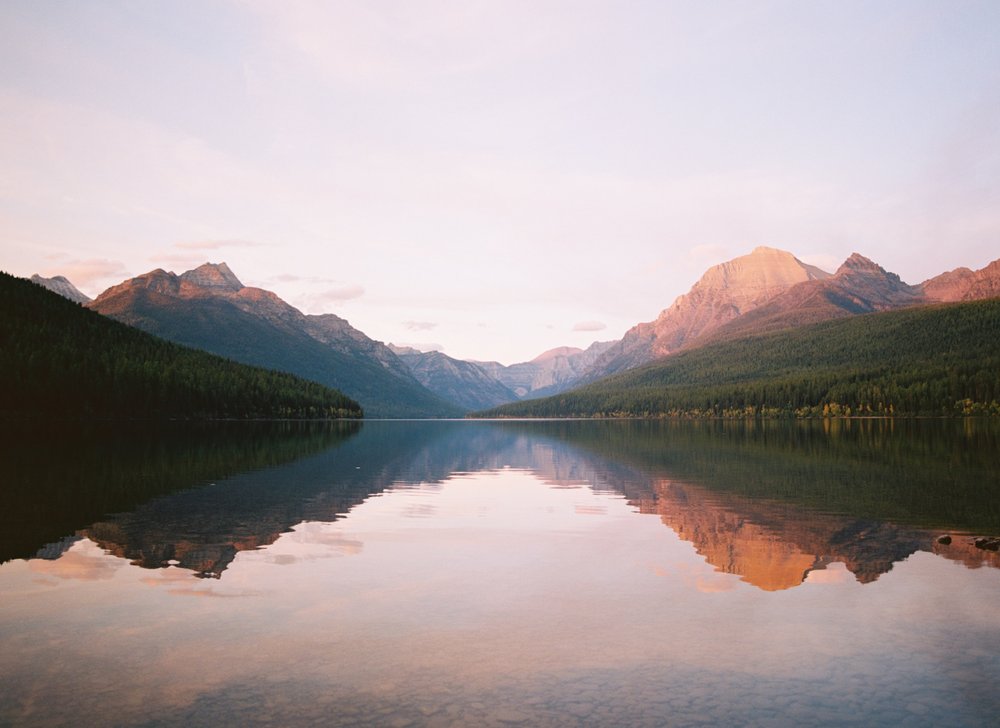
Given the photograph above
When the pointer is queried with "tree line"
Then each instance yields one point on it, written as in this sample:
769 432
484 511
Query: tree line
930 360
60 360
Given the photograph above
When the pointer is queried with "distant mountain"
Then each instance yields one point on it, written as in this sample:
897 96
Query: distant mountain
551 372
859 286
461 382
963 284
209 308
725 292
61 361
941 359
62 286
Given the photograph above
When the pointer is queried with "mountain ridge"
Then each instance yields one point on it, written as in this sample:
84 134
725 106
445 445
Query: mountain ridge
62 286
723 293
209 308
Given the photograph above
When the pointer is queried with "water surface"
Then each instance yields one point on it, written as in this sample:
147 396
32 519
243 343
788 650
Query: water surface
476 573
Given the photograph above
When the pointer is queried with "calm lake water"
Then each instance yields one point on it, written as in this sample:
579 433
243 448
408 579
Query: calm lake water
496 574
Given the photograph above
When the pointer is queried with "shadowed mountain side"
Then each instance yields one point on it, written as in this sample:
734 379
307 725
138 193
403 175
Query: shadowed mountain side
210 309
942 359
60 478
462 383
60 361
550 372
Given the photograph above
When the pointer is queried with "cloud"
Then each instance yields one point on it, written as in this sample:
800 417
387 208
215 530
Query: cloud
321 301
217 244
340 293
85 560
90 271
419 325
589 326
708 252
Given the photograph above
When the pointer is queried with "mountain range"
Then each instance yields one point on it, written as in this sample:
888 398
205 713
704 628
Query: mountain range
209 308
765 291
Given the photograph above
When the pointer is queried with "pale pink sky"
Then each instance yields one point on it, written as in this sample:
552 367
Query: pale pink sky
497 178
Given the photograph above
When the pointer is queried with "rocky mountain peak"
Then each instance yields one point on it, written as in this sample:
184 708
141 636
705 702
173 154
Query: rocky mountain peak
404 350
757 274
555 353
213 275
62 286
858 263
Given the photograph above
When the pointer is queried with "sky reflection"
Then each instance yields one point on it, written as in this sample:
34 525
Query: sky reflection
502 596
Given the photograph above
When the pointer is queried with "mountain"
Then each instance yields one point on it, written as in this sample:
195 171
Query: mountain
941 359
209 308
723 293
858 286
963 284
61 361
548 373
62 286
461 382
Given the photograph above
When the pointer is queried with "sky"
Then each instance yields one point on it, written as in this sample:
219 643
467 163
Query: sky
494 179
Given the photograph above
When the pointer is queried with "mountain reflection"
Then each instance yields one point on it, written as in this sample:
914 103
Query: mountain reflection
769 502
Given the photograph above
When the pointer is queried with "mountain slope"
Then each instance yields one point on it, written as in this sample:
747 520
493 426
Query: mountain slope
461 382
963 284
552 371
210 309
58 360
940 359
62 286
858 286
723 293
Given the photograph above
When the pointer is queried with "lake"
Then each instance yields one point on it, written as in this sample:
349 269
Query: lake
604 573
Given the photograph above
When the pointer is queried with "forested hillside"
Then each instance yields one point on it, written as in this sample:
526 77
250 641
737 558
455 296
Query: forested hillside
60 360
933 360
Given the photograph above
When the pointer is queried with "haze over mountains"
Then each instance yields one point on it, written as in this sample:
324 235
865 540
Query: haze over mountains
764 291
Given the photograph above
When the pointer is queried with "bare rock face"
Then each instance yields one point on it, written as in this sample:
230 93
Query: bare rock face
214 276
859 286
62 286
465 383
724 293
963 284
551 372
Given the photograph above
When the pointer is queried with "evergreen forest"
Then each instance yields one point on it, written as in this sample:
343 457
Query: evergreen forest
940 360
60 360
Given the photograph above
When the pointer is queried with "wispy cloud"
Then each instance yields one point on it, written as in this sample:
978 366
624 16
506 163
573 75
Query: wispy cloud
216 244
708 252
589 326
333 296
91 271
419 325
